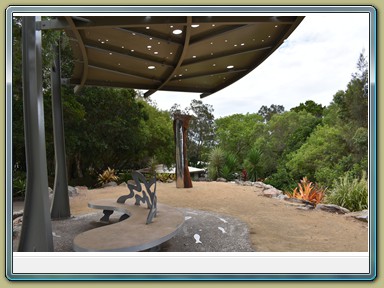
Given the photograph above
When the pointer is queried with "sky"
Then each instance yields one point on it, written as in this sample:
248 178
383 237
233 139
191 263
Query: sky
315 62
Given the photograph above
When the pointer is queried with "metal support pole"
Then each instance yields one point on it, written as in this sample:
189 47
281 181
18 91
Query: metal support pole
60 204
180 127
36 230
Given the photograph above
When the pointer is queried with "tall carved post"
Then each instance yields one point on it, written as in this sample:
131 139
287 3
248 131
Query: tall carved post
180 128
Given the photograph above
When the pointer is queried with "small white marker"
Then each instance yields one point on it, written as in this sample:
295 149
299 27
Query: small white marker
187 217
222 229
225 221
197 238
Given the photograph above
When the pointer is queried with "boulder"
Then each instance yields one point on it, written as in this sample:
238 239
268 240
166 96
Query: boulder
306 207
259 184
332 208
72 191
109 184
221 180
359 215
247 183
272 192
282 196
267 186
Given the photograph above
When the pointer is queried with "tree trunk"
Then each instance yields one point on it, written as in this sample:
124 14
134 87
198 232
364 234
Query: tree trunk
78 166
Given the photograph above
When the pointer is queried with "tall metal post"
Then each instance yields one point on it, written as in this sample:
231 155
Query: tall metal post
60 205
180 127
36 230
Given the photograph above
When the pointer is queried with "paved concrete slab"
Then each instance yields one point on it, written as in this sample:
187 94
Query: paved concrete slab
217 233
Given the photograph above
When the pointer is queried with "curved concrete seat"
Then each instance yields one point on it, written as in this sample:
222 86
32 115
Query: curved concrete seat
131 234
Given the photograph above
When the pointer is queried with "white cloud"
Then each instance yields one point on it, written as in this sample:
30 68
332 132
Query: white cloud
314 63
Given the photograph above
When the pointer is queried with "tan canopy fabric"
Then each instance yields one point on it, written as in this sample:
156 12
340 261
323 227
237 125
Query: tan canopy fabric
201 54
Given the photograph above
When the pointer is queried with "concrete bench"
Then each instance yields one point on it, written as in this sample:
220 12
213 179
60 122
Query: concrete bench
139 228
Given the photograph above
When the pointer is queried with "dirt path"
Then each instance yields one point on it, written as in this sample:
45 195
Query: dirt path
274 225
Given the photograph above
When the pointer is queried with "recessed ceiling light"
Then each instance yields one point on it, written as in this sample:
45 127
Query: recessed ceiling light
194 56
132 50
156 52
276 26
177 31
151 67
122 47
195 25
230 66
149 46
110 53
147 27
242 44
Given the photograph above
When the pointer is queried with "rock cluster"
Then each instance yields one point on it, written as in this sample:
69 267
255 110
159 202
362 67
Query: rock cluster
271 192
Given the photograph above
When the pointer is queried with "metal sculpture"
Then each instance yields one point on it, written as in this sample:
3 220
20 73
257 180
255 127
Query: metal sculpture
147 196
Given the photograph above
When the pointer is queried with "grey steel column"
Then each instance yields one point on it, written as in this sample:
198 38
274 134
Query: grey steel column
60 204
36 230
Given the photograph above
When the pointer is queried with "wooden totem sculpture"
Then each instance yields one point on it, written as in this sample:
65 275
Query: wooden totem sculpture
180 128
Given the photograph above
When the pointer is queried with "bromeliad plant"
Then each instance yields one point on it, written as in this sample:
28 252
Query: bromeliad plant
107 176
308 191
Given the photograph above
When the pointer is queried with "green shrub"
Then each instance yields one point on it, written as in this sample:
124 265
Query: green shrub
281 180
349 192
19 184
216 163
252 163
230 167
125 176
212 173
226 173
327 175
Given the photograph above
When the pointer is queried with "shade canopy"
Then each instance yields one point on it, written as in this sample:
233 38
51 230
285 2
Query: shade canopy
200 54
